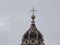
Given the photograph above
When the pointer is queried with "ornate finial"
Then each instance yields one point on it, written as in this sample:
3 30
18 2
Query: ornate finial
33 16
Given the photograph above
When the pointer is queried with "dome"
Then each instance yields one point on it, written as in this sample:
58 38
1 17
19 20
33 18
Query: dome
32 33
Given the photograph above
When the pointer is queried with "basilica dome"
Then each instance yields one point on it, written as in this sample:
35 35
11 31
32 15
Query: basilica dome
32 36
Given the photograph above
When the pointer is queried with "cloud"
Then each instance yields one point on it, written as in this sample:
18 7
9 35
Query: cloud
3 26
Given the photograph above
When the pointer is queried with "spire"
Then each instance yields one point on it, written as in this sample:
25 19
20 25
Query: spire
33 16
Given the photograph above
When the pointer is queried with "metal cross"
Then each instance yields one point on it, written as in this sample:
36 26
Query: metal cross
33 10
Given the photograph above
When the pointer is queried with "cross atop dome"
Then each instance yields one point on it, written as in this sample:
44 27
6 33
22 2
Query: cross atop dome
33 10
33 16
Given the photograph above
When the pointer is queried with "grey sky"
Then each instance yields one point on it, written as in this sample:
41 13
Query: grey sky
15 20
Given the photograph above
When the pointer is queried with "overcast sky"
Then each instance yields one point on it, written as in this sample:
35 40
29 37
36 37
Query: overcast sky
15 20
